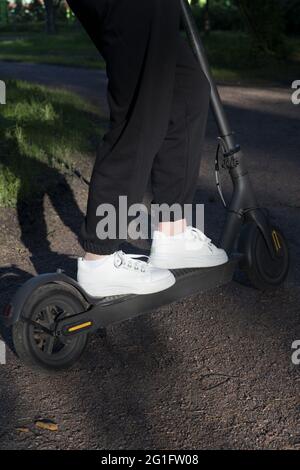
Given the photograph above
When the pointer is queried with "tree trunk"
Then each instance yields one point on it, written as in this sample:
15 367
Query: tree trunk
206 18
50 16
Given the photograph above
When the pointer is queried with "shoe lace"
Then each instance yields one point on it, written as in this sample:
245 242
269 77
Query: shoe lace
130 261
198 235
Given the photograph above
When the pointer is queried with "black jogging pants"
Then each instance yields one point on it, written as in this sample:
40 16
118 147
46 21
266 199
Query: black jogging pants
158 98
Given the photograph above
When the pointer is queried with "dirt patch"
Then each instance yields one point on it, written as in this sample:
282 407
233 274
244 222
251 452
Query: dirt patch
212 371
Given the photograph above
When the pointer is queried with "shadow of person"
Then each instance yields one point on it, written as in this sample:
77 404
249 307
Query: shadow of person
123 369
32 220
8 401
30 149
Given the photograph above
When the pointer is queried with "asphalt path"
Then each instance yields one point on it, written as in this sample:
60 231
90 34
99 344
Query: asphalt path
212 371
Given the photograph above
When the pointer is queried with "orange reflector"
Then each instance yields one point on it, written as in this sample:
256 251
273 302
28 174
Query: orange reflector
276 240
80 327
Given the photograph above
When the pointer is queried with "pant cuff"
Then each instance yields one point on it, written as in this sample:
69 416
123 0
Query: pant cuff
107 247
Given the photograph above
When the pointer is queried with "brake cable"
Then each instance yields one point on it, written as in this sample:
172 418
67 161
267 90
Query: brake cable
217 173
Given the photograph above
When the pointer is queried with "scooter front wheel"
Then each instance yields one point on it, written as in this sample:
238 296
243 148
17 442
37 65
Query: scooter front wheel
263 271
34 334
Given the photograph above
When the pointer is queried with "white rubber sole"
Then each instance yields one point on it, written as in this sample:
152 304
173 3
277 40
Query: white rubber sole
144 289
188 261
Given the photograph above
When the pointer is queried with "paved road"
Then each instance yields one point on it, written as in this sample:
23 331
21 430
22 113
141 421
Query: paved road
213 371
91 84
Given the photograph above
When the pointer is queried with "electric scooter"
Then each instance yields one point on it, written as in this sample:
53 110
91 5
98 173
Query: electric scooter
52 316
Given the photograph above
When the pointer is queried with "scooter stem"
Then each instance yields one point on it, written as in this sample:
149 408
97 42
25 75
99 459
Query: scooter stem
193 34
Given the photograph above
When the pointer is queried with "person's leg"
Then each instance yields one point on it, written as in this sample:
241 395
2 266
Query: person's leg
176 166
138 42
113 25
176 169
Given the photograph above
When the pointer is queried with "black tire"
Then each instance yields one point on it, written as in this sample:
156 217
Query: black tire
262 270
43 307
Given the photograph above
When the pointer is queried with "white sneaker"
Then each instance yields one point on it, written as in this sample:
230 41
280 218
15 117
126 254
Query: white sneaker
190 249
120 274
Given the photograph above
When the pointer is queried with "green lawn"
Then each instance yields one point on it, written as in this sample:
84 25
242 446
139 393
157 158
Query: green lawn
69 48
232 58
43 132
229 53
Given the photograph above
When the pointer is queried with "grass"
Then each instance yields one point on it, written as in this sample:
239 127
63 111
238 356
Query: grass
229 53
42 132
233 58
58 49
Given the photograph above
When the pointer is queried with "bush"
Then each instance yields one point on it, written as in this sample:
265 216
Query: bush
265 21
23 17
291 14
223 15
37 10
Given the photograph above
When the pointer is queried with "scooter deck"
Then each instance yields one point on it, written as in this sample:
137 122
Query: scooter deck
110 310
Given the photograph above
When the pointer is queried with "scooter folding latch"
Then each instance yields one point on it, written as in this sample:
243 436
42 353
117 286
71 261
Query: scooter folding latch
232 152
229 160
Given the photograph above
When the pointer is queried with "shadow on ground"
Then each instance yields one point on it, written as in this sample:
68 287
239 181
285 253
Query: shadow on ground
213 371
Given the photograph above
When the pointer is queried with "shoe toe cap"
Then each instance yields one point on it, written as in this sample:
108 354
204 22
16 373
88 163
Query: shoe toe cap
159 274
222 254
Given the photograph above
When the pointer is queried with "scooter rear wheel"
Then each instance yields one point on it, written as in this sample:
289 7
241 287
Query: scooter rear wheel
33 341
262 270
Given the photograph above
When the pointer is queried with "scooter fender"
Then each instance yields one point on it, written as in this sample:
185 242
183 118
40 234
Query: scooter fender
12 311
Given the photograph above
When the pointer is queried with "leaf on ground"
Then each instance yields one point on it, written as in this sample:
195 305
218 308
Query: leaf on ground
46 424
23 430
